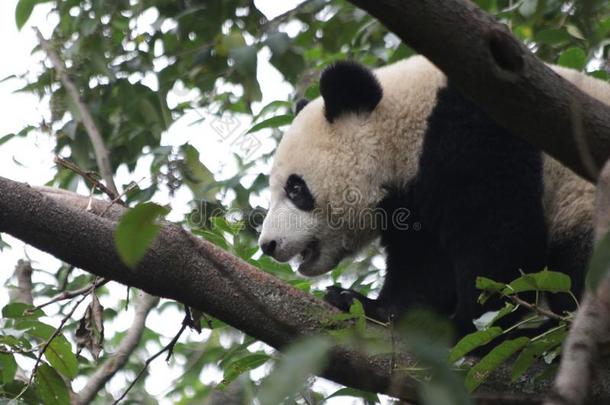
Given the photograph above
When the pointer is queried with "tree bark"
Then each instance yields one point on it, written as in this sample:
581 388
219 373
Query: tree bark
190 270
496 71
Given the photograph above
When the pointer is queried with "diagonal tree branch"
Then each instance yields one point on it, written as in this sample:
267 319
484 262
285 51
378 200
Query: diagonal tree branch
482 58
102 155
190 270
195 272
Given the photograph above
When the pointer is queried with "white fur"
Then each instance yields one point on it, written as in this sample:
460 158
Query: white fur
346 164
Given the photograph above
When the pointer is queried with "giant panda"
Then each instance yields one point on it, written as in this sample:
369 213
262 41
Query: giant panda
398 153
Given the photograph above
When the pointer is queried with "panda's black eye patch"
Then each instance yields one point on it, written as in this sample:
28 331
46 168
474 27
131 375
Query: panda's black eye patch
298 193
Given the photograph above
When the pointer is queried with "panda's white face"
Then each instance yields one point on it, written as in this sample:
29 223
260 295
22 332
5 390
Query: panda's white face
317 196
332 164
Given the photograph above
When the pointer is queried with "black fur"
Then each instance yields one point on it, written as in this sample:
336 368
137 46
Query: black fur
300 105
349 87
475 210
297 191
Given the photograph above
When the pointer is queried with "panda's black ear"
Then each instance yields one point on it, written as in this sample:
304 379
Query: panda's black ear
300 105
349 87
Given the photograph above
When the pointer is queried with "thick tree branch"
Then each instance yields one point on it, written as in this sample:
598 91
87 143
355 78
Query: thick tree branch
193 271
496 71
116 361
187 269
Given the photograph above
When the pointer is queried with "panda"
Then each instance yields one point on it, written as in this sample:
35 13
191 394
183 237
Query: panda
398 153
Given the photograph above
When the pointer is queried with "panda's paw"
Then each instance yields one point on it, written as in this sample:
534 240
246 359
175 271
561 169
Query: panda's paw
341 298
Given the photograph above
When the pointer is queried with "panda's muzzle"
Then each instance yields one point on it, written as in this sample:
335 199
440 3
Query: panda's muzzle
311 252
309 256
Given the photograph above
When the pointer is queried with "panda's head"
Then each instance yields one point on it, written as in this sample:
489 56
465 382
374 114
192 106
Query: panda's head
327 176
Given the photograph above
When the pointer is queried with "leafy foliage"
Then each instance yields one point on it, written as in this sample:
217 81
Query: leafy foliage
143 67
136 230
545 344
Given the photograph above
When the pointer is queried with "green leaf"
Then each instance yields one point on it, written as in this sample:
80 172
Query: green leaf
353 392
19 310
574 31
508 308
599 264
574 58
136 231
273 122
357 310
6 138
550 281
222 224
284 56
312 91
400 53
438 393
552 36
600 74
428 336
8 367
299 361
59 352
271 107
242 365
50 387
479 373
271 266
23 11
473 340
215 238
196 175
534 350
486 284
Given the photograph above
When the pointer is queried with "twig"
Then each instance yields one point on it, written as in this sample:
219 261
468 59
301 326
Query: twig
118 199
533 307
168 348
117 361
86 175
102 155
74 293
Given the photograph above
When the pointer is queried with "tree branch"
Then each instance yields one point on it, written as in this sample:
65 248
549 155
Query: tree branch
185 268
66 295
500 74
116 361
101 152
591 328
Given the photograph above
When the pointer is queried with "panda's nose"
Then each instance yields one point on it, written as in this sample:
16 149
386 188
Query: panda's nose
269 247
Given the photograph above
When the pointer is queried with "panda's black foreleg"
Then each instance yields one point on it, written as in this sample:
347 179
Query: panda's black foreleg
343 298
497 260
